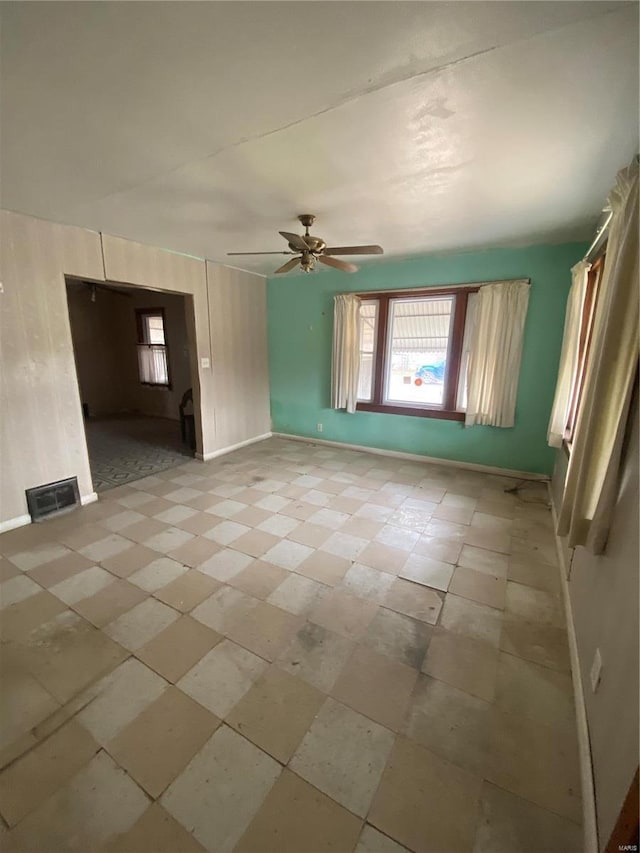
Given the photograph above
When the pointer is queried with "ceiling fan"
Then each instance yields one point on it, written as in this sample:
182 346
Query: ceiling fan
310 249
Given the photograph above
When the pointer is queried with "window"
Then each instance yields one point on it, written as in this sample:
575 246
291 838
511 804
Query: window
586 330
368 329
414 352
153 364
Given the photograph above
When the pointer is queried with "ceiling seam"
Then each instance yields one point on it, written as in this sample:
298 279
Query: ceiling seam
347 99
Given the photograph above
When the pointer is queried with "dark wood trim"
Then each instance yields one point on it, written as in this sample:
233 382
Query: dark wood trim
454 357
412 411
421 291
380 351
626 832
149 312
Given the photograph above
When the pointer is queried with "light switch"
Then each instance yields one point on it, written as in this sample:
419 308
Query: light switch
205 364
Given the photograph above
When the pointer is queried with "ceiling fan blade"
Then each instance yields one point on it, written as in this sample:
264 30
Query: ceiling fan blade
288 266
354 250
295 240
260 253
339 265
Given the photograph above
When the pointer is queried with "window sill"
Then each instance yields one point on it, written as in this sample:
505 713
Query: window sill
159 385
440 414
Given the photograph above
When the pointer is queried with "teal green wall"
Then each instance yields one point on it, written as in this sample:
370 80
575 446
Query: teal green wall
300 317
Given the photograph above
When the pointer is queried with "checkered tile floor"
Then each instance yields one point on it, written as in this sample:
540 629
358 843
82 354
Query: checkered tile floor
292 649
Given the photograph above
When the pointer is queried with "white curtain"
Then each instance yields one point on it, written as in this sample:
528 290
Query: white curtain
346 352
592 476
152 364
495 352
569 354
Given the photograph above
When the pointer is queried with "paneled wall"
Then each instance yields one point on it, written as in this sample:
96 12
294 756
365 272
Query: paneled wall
42 435
41 428
237 313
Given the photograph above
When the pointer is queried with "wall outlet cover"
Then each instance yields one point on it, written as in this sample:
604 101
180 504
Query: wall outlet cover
205 363
319 427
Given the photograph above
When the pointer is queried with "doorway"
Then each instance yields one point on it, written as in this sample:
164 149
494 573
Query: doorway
134 368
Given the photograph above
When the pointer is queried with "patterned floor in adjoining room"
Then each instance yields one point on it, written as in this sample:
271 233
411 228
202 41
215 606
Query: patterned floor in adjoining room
127 448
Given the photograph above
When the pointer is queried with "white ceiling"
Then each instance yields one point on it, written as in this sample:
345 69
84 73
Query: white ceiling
206 127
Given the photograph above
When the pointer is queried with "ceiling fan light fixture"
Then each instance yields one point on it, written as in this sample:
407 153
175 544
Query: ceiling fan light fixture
308 263
312 249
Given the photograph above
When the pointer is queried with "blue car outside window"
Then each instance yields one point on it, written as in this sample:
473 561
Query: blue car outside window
431 372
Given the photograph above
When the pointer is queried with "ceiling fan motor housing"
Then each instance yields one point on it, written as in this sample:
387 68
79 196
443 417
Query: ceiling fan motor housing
315 244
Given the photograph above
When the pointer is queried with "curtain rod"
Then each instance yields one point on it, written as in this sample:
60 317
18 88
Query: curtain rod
426 287
602 228
602 233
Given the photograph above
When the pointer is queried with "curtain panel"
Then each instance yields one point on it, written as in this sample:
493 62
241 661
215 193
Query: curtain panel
345 366
495 353
592 476
152 364
569 354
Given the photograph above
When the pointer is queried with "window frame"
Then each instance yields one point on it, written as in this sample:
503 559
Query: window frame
141 313
374 353
448 410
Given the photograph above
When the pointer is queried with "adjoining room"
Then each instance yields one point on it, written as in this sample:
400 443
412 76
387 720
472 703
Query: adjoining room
133 362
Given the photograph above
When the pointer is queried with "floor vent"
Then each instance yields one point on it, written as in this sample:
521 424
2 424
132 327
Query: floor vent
54 498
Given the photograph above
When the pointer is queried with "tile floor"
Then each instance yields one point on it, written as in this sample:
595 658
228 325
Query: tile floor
292 649
127 447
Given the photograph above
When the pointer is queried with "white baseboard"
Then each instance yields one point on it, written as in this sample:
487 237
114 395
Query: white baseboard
12 523
22 520
206 457
417 457
589 815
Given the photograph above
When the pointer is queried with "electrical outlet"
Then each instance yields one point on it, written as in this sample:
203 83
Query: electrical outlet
596 670
205 364
319 427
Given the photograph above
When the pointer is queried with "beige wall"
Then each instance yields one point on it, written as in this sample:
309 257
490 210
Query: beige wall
604 598
98 346
237 312
41 429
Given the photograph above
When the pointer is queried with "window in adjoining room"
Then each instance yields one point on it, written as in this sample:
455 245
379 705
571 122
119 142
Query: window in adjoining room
414 352
153 364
